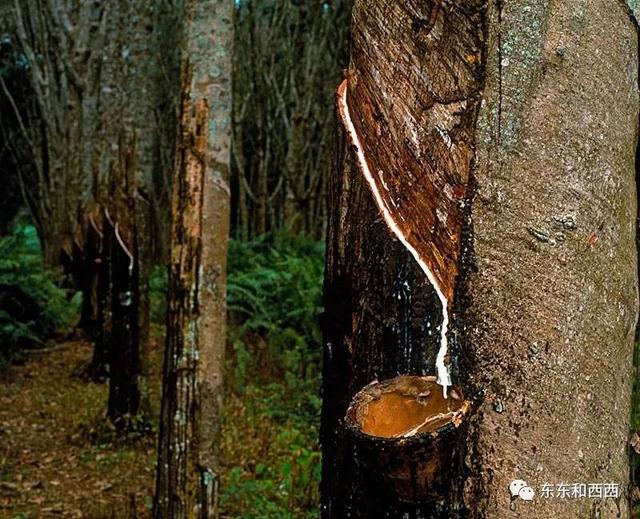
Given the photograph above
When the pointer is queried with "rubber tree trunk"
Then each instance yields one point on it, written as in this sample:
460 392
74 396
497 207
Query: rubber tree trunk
142 94
188 462
500 140
124 354
124 191
101 301
552 295
86 266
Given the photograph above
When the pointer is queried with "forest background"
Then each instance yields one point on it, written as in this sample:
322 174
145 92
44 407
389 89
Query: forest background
287 61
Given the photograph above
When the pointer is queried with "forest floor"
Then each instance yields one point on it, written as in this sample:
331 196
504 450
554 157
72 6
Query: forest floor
58 457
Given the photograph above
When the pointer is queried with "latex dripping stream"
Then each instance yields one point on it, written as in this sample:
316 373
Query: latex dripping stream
442 371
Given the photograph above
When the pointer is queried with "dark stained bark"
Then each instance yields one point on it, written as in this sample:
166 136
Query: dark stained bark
99 366
141 94
381 319
188 460
85 268
527 115
91 320
126 398
124 364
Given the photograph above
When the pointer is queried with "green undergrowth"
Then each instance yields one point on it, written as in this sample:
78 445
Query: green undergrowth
32 304
273 404
271 458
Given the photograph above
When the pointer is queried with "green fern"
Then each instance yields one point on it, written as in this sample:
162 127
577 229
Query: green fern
32 305
275 290
275 302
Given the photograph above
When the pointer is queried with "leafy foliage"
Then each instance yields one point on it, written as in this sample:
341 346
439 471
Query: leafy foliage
275 294
273 404
158 294
32 305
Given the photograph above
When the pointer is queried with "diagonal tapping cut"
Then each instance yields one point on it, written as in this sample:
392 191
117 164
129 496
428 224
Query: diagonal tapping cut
409 106
442 370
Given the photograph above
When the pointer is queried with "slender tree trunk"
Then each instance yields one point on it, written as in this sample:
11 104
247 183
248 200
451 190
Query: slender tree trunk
188 462
124 354
142 93
100 300
99 368
144 254
499 143
125 189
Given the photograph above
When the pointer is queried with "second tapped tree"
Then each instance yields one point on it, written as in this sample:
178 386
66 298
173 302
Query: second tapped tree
187 473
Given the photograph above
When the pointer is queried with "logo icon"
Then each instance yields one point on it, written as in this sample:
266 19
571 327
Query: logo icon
520 489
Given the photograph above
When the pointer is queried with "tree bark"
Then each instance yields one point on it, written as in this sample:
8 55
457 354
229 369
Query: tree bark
188 462
99 367
124 355
413 87
500 141
551 298
95 299
86 269
142 93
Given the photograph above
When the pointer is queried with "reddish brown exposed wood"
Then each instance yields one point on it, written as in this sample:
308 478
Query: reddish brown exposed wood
413 101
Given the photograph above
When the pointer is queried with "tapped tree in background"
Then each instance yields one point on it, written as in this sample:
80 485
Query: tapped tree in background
89 137
510 127
188 460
